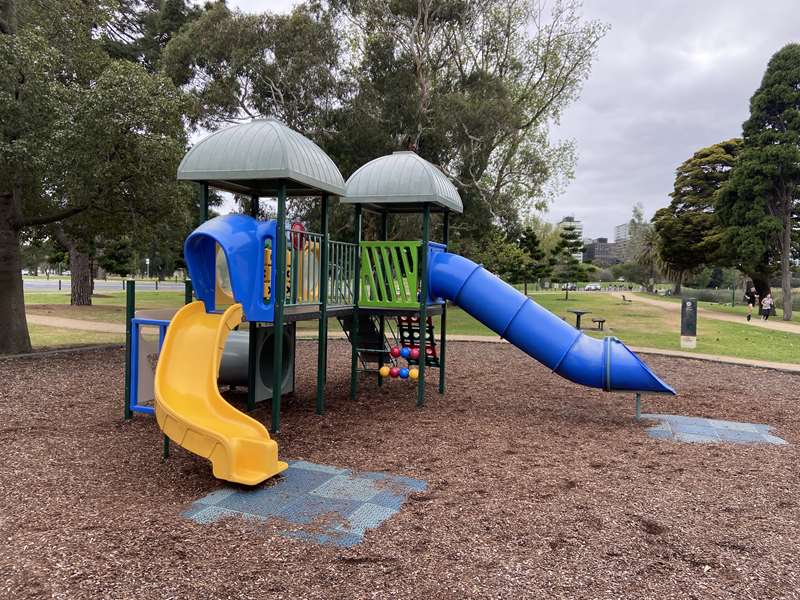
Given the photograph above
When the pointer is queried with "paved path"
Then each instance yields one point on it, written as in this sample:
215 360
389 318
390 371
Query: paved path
82 324
775 325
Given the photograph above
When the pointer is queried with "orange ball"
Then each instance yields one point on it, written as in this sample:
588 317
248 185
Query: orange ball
413 373
384 371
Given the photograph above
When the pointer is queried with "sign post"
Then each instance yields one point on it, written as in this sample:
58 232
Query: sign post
689 323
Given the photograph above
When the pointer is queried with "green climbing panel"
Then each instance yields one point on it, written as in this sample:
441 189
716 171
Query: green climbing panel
389 275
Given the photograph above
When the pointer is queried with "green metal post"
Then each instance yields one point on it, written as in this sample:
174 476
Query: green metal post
733 295
165 452
443 323
130 312
384 237
187 291
356 294
252 339
279 291
638 406
423 302
203 203
322 337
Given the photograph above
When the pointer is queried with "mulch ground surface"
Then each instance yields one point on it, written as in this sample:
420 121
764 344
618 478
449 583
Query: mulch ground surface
537 488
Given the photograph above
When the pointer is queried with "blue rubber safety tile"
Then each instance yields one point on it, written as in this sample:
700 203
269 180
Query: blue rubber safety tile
733 425
698 429
742 437
334 505
366 516
343 486
217 496
301 464
307 508
388 499
265 502
693 437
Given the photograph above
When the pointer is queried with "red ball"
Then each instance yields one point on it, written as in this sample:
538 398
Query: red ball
395 352
414 353
394 372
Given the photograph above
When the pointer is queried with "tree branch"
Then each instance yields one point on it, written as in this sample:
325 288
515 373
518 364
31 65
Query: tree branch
51 218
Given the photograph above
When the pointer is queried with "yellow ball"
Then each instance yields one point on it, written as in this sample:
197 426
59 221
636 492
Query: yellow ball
413 373
384 371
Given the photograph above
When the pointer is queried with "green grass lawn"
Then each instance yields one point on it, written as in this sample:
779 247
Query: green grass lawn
43 337
636 324
106 306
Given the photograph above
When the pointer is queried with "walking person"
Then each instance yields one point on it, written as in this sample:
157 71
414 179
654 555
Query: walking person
751 297
766 306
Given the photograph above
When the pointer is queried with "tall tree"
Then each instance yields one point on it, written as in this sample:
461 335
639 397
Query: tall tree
87 145
568 267
687 229
760 204
540 266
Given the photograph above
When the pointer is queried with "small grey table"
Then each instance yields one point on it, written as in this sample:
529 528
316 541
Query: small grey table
578 314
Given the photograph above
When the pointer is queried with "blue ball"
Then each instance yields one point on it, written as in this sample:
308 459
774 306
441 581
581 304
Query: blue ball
405 352
403 373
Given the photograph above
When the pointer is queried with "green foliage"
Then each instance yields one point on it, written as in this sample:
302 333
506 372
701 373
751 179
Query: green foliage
758 206
688 227
567 266
117 257
540 266
632 272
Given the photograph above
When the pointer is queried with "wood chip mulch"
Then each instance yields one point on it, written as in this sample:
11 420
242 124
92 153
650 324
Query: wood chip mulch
537 489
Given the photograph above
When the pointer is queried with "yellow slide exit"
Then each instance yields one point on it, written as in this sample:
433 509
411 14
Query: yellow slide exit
190 409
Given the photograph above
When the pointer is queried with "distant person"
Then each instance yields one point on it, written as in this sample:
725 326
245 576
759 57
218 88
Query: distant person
751 297
766 306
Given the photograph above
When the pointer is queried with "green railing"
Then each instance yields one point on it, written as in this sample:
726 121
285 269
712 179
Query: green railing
389 274
341 273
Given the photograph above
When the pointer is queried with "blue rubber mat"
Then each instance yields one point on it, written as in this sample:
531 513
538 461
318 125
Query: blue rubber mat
328 505
700 430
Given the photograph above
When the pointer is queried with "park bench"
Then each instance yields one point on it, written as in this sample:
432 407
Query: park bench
626 300
599 322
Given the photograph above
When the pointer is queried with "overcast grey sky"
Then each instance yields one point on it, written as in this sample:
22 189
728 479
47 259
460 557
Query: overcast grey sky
671 76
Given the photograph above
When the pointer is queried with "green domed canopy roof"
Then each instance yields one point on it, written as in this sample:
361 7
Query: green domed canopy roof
402 182
253 157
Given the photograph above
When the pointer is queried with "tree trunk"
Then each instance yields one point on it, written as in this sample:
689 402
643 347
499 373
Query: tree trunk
786 269
761 283
81 277
14 338
676 289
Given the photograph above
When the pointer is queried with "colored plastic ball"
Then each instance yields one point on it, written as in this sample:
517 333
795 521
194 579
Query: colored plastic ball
394 372
384 371
395 352
414 353
404 373
405 352
413 373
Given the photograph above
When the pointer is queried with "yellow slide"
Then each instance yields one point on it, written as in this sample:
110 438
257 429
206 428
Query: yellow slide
190 409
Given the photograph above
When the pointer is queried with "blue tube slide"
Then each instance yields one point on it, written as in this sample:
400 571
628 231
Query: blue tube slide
607 364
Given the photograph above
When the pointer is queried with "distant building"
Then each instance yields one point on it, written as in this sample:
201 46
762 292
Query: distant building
577 226
622 237
601 253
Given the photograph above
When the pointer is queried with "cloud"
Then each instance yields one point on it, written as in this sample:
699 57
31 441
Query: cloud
670 78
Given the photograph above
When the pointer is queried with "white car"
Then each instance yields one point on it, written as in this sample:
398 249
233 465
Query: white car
592 287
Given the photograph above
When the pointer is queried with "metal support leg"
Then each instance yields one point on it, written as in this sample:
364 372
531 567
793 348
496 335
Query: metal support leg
356 289
638 406
423 303
165 452
279 291
443 321
322 337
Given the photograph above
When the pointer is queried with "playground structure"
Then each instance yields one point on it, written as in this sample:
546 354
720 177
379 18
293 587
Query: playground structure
382 292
